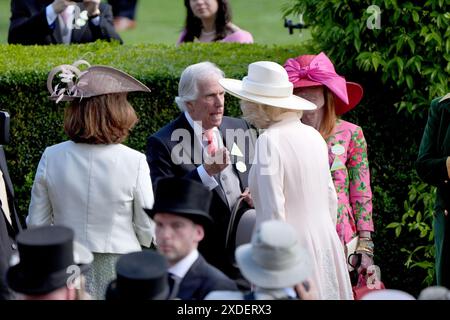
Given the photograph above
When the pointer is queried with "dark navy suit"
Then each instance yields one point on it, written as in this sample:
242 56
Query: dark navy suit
8 231
201 279
29 25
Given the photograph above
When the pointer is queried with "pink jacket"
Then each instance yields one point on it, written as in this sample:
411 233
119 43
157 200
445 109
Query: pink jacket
240 36
347 155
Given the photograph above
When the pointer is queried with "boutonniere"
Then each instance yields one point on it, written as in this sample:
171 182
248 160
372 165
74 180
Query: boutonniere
240 165
81 19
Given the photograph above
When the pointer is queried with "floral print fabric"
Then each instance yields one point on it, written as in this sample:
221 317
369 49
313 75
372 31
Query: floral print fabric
347 155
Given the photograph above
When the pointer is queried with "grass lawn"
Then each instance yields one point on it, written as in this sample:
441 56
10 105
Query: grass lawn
160 21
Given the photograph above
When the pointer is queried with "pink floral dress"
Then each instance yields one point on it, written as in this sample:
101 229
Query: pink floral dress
347 155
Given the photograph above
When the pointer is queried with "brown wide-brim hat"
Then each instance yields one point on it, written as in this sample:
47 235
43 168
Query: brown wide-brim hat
94 81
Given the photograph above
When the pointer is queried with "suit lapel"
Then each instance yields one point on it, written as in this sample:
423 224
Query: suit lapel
243 176
190 144
57 37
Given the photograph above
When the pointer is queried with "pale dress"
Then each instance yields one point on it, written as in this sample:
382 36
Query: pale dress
290 180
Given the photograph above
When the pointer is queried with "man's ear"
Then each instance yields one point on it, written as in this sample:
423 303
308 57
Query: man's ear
199 232
189 106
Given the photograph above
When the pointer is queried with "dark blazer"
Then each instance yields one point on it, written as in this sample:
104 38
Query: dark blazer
431 167
178 136
8 232
29 25
201 279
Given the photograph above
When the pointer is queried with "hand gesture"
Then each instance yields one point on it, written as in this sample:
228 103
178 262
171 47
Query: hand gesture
217 161
92 7
247 197
60 5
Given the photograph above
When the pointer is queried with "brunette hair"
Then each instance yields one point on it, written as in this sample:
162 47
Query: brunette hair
103 119
193 25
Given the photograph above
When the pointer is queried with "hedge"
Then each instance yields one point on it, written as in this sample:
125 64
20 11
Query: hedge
37 122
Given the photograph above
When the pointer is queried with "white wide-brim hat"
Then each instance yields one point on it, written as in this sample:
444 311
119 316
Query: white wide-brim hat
266 83
274 259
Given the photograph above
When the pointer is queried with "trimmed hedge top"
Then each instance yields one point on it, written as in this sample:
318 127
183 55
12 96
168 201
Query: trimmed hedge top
142 61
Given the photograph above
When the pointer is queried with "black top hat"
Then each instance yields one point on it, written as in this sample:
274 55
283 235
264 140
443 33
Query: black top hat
140 276
45 255
184 197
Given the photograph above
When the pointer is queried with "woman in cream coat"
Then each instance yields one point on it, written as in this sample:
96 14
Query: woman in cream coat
92 183
290 179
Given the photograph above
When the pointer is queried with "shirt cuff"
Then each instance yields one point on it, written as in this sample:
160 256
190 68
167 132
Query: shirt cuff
207 180
95 21
51 14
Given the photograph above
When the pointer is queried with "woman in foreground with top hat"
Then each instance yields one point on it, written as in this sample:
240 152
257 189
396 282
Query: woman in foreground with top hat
92 182
290 179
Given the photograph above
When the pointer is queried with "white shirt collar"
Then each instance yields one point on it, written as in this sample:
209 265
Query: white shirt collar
198 129
182 267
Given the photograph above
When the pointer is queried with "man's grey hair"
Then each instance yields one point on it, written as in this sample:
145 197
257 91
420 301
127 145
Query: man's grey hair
188 85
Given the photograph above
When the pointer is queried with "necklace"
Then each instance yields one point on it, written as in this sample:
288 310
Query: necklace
209 33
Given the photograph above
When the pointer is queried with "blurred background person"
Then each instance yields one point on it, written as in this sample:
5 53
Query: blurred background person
50 265
275 263
433 167
434 293
10 225
290 179
140 276
387 294
181 215
210 21
101 186
60 21
315 79
124 12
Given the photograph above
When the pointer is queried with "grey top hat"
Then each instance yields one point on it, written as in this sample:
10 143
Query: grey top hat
274 259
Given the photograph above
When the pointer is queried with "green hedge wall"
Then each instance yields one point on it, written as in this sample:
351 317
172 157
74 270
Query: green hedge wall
37 122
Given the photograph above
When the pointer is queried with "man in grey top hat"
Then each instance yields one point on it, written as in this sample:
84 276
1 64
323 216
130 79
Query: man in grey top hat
276 264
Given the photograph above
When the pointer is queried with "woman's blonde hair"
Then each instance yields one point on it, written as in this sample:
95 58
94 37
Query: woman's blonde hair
261 115
103 119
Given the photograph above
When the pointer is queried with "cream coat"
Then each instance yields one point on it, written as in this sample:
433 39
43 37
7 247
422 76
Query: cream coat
97 190
291 181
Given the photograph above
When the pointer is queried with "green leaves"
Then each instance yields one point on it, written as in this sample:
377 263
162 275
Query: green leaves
418 218
408 32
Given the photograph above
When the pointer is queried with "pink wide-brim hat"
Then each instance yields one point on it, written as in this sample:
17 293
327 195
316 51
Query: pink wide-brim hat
317 70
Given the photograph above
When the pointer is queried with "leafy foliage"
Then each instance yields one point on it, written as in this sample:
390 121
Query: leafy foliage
418 218
410 51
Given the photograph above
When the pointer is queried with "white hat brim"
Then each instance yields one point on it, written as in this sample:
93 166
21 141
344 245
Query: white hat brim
271 279
234 87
